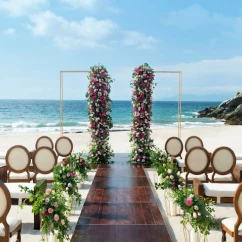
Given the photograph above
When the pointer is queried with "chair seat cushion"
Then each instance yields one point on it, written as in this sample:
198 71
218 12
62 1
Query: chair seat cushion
15 192
220 189
220 178
47 177
23 175
239 163
230 222
180 162
238 156
13 224
190 177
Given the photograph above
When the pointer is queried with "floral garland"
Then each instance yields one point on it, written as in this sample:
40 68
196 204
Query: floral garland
100 151
142 84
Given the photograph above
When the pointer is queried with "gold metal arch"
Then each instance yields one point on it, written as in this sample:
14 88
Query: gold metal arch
84 71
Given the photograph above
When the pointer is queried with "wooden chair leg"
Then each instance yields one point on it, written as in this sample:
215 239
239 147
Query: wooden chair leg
19 236
223 235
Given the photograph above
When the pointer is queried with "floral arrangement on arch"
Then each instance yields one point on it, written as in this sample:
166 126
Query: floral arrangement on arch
51 204
100 151
197 211
142 85
65 177
79 165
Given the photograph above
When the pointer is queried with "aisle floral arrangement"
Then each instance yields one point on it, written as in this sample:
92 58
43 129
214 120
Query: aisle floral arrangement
197 211
100 151
79 164
51 204
65 177
142 85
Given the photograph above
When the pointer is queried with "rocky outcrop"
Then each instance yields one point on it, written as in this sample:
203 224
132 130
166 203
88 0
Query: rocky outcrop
229 110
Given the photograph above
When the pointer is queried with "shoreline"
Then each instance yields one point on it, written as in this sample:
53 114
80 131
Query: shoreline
213 137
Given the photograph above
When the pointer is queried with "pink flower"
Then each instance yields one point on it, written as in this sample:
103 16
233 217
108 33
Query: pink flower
195 207
68 174
173 184
48 191
164 165
55 204
47 200
62 221
91 155
194 215
69 185
171 177
188 201
50 210
138 70
169 171
56 217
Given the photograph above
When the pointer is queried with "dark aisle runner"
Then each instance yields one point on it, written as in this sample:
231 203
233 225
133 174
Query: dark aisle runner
120 207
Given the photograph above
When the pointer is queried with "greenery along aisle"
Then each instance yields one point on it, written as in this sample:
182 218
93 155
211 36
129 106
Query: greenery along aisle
142 84
100 151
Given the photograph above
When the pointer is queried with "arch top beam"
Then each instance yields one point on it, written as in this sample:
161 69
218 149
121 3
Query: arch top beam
168 72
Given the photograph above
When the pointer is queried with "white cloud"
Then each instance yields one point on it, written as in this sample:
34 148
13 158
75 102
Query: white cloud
89 32
17 8
9 31
194 17
210 76
92 5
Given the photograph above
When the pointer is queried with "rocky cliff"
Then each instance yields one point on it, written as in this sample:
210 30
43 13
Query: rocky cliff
229 110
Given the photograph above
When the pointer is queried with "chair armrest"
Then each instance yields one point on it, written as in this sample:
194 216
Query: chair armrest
198 187
237 172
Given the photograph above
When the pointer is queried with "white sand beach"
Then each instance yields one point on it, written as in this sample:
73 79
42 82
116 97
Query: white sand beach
212 137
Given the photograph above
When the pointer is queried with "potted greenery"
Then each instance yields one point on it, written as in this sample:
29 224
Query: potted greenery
198 214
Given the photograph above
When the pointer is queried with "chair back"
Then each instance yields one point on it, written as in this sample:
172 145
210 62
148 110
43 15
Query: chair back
44 141
44 160
5 201
197 160
223 160
193 141
238 206
18 159
174 146
63 146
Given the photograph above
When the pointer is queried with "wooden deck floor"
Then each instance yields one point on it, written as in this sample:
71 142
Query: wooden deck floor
120 206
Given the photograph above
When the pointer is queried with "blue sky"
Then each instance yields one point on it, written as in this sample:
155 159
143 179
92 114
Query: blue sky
38 38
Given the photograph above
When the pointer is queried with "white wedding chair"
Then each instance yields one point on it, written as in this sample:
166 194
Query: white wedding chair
197 162
8 225
63 147
233 226
44 161
44 141
18 161
174 147
223 162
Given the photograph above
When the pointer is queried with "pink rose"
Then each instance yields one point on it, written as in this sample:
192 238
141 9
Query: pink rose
173 184
56 217
47 200
55 204
50 210
171 177
169 171
69 185
194 215
195 207
48 191
68 174
138 70
188 201
62 221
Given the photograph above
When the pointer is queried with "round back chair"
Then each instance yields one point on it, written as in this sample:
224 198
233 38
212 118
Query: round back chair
223 161
193 141
174 146
44 141
9 225
18 160
232 226
44 160
63 146
197 160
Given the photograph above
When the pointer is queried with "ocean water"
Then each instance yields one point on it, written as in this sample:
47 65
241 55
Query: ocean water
43 116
